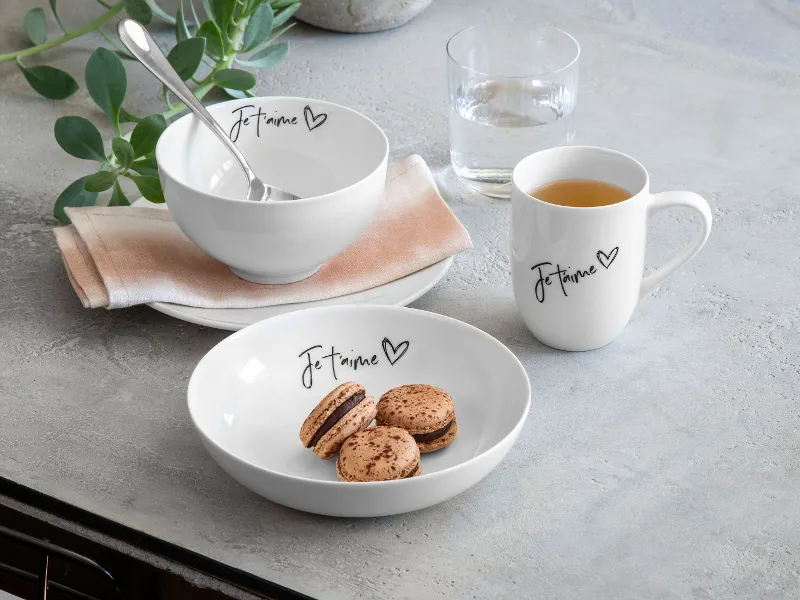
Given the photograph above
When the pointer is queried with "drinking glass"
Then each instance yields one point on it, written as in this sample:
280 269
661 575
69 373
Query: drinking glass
513 88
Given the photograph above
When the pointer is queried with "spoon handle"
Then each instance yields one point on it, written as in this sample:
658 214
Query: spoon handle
141 44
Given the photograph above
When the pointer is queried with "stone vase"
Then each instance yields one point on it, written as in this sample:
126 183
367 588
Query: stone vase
359 16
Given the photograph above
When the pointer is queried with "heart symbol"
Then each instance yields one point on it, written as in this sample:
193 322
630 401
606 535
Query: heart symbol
607 259
312 121
394 353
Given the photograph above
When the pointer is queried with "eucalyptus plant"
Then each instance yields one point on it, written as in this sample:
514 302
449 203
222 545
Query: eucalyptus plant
207 55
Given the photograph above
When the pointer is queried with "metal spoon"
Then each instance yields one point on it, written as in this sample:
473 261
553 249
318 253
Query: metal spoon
136 39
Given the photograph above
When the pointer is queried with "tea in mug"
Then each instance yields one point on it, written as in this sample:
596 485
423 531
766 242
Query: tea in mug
582 193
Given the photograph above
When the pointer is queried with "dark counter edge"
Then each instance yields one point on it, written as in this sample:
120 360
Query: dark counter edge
148 543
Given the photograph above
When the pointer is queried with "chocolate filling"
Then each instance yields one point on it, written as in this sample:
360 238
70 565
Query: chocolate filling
414 472
336 416
433 435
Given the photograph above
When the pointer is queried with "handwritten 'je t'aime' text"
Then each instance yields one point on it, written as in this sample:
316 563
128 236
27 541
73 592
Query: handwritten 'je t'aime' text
563 276
260 117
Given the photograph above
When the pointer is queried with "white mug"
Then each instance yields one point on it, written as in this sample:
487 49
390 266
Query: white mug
577 272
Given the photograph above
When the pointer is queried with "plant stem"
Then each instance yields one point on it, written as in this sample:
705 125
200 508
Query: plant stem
236 43
199 93
165 96
197 21
75 33
116 45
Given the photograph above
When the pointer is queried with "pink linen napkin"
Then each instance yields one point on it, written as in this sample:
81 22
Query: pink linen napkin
122 256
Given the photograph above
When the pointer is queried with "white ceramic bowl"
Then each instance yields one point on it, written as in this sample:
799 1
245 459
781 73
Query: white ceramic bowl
249 395
331 156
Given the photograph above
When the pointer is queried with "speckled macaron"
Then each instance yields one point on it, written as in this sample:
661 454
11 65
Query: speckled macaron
425 411
340 414
378 454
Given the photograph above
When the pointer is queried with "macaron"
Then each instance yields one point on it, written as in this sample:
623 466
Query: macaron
340 414
378 454
425 411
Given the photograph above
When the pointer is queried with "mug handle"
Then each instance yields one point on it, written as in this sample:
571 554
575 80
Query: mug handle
665 200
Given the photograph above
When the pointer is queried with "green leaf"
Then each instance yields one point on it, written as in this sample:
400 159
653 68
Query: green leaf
100 181
159 12
278 4
285 15
49 82
36 26
80 138
210 32
235 79
139 10
238 94
107 82
223 11
54 8
181 30
279 32
186 56
146 166
268 57
123 151
126 117
149 186
258 28
118 196
74 195
146 133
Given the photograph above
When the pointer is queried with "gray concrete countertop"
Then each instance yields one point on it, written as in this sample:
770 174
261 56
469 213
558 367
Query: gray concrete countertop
666 465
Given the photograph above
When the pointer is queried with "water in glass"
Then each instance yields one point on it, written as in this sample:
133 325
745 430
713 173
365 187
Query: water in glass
497 122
